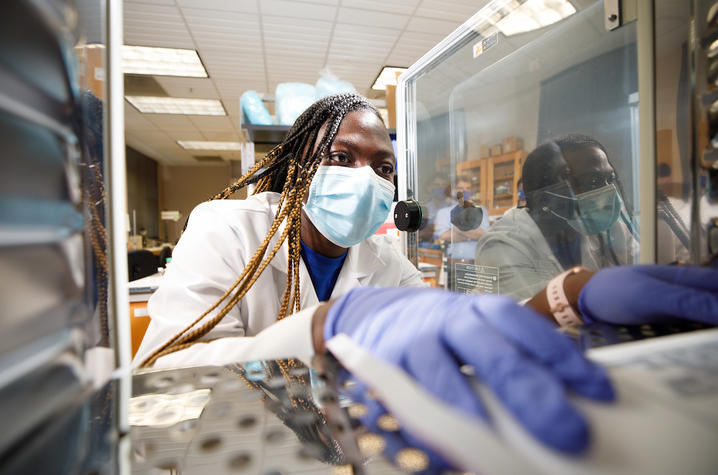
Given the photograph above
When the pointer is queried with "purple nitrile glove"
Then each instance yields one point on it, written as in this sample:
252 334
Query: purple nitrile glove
514 351
634 295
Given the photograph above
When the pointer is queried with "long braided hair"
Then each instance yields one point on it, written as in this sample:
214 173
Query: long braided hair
287 169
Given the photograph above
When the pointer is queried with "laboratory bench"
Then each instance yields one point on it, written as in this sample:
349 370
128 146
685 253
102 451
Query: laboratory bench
280 417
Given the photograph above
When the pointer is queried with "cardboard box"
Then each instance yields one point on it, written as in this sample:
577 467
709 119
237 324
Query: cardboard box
511 144
497 150
483 151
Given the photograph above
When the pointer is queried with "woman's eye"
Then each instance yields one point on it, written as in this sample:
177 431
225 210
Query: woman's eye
386 170
339 158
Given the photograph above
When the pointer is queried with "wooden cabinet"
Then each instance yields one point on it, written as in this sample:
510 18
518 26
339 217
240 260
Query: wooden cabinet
495 180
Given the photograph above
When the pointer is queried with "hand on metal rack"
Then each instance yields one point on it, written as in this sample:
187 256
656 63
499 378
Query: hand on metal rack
516 353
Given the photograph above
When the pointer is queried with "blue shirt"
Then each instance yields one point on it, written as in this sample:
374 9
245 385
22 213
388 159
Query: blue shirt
323 270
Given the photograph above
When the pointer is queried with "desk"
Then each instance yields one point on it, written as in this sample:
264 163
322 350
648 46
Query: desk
140 292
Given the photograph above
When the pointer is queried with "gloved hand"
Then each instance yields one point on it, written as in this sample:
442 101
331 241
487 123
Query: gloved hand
431 333
651 293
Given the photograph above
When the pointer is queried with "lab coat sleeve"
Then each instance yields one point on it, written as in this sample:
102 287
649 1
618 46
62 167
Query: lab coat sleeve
519 276
410 275
290 337
205 263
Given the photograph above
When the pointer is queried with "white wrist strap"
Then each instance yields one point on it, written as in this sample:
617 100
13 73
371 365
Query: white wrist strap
562 311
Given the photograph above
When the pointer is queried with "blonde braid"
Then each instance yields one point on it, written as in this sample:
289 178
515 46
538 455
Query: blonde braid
289 167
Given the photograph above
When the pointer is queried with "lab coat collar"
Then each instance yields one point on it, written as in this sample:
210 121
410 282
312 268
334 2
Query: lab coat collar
361 262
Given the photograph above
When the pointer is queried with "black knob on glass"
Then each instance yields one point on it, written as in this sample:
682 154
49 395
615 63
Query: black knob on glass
410 216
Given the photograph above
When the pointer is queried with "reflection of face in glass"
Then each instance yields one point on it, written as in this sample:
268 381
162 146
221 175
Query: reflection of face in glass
590 212
598 209
438 188
465 188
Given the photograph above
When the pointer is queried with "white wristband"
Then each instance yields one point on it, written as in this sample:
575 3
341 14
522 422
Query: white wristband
562 311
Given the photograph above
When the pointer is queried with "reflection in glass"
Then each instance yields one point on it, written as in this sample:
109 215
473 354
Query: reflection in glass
500 122
574 215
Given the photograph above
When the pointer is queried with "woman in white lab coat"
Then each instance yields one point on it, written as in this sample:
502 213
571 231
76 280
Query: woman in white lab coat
241 267
575 215
320 197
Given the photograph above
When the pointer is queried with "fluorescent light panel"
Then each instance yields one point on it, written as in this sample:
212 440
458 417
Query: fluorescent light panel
162 61
207 145
512 17
386 77
176 105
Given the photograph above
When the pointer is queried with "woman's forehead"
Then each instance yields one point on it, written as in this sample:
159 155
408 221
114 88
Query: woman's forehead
362 121
363 128
585 159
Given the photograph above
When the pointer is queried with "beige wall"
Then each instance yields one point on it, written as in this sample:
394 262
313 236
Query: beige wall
184 187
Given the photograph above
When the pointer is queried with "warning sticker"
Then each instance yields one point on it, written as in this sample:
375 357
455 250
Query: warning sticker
484 44
473 279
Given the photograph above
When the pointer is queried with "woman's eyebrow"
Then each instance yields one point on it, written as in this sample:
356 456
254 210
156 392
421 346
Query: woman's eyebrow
350 144
347 143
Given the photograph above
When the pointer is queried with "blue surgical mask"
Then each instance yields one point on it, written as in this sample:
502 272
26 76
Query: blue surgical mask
467 195
589 213
347 205
598 209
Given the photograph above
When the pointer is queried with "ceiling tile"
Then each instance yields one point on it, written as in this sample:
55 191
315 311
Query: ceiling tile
216 123
170 122
323 2
150 2
355 16
412 46
135 120
188 87
236 87
155 25
454 10
232 107
436 26
352 43
297 10
248 6
404 7
186 135
220 136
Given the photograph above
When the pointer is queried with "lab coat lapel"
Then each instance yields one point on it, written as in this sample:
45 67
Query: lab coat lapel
361 263
307 294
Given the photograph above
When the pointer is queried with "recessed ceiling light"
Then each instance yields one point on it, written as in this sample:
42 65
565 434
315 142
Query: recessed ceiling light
162 61
386 77
514 16
207 145
176 105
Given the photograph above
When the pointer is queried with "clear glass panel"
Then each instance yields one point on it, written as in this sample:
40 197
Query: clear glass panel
527 151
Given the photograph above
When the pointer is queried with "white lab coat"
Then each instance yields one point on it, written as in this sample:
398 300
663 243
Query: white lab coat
220 239
516 247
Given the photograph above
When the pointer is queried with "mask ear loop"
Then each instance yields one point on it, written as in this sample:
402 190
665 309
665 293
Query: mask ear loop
564 197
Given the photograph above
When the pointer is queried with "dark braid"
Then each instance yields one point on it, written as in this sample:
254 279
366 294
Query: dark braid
287 169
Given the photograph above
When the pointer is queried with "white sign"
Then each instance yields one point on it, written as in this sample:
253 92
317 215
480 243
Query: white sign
171 215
